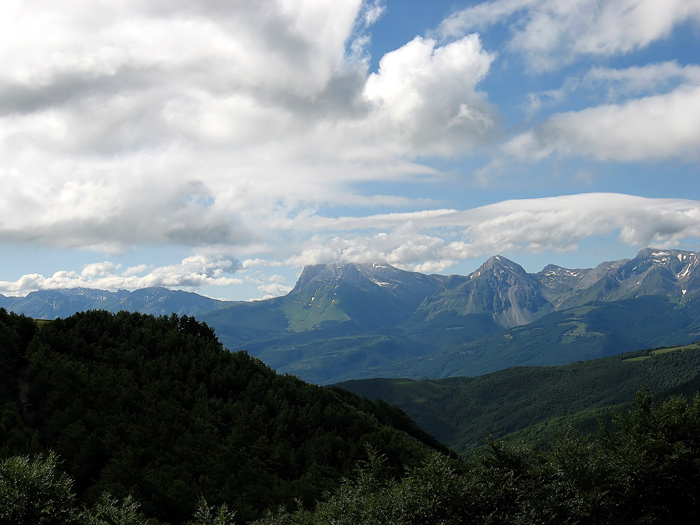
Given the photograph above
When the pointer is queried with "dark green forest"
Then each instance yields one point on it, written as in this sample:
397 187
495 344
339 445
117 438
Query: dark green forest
157 410
535 402
129 418
646 469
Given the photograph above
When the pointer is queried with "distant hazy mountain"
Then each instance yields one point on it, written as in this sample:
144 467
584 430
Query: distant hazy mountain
332 309
667 273
352 321
52 304
337 298
346 321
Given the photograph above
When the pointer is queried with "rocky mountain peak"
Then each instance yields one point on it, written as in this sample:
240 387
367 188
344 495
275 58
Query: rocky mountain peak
678 262
323 273
370 294
382 275
499 265
499 288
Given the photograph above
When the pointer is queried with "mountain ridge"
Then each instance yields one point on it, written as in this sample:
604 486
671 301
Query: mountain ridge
64 302
528 296
347 321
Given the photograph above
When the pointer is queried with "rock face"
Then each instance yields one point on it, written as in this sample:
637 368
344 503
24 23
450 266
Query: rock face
558 282
504 290
667 273
500 288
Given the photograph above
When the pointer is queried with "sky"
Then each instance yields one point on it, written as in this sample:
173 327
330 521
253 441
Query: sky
218 146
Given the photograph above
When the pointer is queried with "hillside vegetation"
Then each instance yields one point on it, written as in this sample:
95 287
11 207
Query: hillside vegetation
534 402
646 470
155 409
131 419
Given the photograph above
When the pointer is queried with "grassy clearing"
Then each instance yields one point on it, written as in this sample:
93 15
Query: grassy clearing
662 351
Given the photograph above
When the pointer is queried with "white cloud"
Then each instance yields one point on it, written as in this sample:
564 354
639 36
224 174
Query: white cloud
437 241
549 32
257 262
427 242
619 84
646 129
240 128
193 272
426 95
151 123
274 290
373 12
651 78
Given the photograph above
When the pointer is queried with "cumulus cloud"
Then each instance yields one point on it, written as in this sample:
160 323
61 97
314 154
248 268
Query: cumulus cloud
427 95
241 128
551 32
193 272
151 123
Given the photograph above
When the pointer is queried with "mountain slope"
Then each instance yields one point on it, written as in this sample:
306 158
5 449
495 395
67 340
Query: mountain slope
499 288
586 332
460 411
668 273
370 295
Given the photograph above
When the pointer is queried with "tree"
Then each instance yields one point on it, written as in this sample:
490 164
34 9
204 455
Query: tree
33 491
109 511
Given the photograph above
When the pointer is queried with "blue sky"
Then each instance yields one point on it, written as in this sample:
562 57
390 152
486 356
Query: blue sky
218 147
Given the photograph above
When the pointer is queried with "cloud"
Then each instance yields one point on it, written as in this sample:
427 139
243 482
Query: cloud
232 129
373 12
193 272
651 128
436 241
152 123
651 78
551 32
426 95
620 84
429 241
274 290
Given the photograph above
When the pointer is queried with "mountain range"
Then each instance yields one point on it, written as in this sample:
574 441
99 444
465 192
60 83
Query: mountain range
351 321
55 303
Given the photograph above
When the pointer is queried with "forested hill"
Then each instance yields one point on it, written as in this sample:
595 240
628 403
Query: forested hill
156 409
537 402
